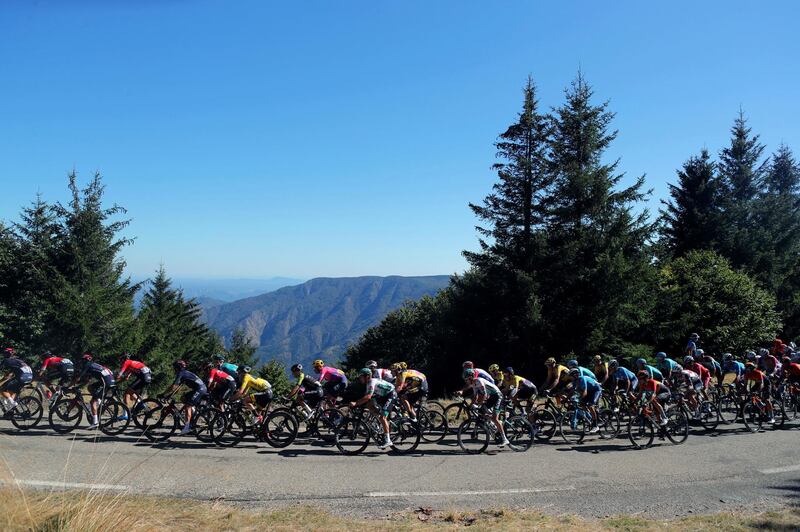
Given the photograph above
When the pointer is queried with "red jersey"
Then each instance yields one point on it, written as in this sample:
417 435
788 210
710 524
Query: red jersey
701 371
755 375
792 368
134 366
51 361
219 376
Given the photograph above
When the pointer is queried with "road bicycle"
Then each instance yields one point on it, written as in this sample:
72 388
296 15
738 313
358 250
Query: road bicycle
278 428
161 423
644 425
26 414
475 433
577 423
321 423
68 408
755 413
360 426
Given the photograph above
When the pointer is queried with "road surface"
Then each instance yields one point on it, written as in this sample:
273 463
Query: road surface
726 471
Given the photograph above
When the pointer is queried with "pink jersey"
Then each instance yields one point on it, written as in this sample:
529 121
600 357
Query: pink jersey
332 375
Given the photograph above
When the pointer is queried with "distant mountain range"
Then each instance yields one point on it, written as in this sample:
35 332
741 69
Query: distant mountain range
211 292
319 318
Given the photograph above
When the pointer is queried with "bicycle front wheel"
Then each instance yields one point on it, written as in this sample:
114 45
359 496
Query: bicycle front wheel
455 414
709 417
66 414
473 438
544 424
160 424
28 413
279 429
728 409
677 426
641 432
519 433
405 434
142 409
752 416
114 417
573 430
351 436
433 426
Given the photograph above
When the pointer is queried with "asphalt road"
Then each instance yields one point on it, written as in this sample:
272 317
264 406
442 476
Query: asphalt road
725 471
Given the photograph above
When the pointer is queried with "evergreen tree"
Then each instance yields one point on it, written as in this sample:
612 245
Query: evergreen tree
275 372
513 209
691 217
7 261
93 303
241 351
595 279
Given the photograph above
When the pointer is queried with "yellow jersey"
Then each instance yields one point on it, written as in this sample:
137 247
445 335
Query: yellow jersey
255 384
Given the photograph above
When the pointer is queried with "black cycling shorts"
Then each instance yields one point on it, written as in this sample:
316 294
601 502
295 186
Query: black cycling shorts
63 374
98 388
141 382
526 392
193 398
15 384
221 392
263 399
313 397
334 390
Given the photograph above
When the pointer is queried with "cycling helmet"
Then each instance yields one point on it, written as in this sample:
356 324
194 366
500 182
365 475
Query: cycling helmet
727 356
371 364
365 372
318 364
396 367
86 357
219 357
468 365
469 373
750 355
403 365
297 367
597 359
641 362
178 365
643 374
661 355
494 368
763 352
509 370
613 363
572 363
700 353
550 362
688 359
125 356
245 369
750 365
574 372
8 352
694 337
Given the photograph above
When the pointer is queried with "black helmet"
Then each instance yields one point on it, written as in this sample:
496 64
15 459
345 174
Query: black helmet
371 364
297 367
179 365
218 357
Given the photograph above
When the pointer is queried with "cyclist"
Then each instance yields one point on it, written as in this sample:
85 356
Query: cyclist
641 364
584 372
692 365
518 388
622 379
53 368
666 366
714 368
221 385
556 376
600 369
103 382
18 373
197 391
257 392
380 373
691 345
729 365
134 366
307 389
653 392
227 367
497 375
589 391
761 384
381 396
768 363
412 388
693 384
333 380
481 373
791 370
488 395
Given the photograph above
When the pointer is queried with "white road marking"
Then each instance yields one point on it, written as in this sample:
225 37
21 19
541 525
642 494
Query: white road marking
70 485
784 469
471 493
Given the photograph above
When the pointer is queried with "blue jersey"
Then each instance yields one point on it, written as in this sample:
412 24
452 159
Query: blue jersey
585 372
484 375
667 365
623 375
691 348
735 367
654 373
583 383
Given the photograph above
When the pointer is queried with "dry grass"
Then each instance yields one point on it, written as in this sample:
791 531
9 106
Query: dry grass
88 512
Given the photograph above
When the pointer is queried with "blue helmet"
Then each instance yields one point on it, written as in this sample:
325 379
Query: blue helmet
661 355
572 363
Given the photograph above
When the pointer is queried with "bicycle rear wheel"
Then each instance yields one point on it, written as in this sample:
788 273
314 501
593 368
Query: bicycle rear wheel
544 424
328 422
351 436
405 434
455 414
608 423
160 424
279 429
141 410
728 409
28 413
204 421
433 426
519 433
473 438
709 417
66 414
752 416
779 414
641 432
677 426
114 417
573 431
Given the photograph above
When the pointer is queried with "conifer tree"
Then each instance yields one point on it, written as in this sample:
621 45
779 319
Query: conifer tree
241 351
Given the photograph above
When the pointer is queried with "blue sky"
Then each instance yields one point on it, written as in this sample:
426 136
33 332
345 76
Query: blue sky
252 139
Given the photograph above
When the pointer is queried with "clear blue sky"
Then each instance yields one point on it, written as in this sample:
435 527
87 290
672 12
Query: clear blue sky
252 139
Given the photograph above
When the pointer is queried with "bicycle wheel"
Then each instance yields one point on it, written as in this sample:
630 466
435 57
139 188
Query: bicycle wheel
455 414
228 428
608 423
641 432
728 409
779 414
434 406
328 422
519 433
141 410
32 391
544 424
473 438
114 417
405 435
709 417
433 426
160 424
279 429
28 413
677 426
351 436
573 429
66 414
752 416
203 421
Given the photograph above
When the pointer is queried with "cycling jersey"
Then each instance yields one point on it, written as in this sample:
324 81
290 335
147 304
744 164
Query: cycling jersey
481 386
96 371
133 366
329 375
481 374
217 376
517 383
769 365
57 364
755 375
690 378
410 379
190 380
601 371
701 370
735 367
557 371
308 383
713 367
792 369
588 384
256 384
383 374
667 365
654 372
652 386
378 388
691 348
230 369
18 367
621 376
586 372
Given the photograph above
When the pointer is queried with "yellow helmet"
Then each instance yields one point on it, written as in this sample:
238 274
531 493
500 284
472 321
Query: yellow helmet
318 363
550 362
402 365
494 368
598 359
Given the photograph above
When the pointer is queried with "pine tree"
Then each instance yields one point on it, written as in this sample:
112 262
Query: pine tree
691 217
513 209
594 282
7 261
93 305
241 351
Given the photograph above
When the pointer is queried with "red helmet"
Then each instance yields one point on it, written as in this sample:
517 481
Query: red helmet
87 357
9 352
